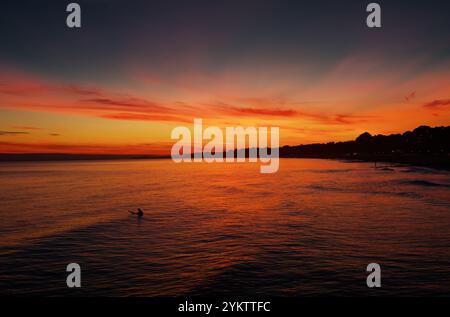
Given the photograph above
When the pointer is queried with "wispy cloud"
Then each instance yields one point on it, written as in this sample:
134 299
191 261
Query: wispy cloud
410 96
13 132
119 106
319 117
144 117
437 104
131 103
226 109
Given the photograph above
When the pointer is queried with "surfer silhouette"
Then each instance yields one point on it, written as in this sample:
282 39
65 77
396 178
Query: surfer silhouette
139 213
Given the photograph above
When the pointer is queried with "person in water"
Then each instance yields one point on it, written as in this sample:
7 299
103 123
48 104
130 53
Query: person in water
139 213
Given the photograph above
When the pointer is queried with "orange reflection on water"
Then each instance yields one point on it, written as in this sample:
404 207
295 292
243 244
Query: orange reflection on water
309 229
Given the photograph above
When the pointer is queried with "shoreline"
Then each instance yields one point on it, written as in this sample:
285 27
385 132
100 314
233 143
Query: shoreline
435 162
56 157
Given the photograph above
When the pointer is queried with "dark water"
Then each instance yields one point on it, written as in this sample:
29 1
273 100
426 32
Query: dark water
223 229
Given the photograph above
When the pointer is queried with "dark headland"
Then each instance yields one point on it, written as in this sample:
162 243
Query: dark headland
424 146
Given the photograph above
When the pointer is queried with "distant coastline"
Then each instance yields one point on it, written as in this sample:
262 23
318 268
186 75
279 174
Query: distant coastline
424 146
32 157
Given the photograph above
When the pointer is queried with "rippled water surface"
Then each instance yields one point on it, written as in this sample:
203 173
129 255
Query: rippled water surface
223 229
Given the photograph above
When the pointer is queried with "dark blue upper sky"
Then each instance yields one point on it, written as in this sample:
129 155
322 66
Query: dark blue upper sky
212 35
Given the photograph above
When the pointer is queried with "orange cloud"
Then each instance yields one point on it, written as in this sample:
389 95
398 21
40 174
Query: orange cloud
145 117
225 109
31 93
135 104
25 92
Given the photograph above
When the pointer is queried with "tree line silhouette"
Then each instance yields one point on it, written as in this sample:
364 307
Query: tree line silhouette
422 146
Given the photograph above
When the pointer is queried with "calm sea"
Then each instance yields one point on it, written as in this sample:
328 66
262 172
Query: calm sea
223 229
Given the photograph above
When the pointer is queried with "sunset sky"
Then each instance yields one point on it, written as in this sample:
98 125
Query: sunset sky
137 69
